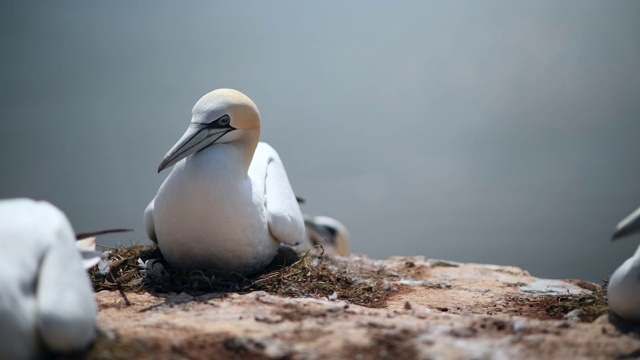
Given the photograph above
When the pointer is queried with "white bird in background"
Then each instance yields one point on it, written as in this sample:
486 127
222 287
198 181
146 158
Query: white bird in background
623 292
328 232
46 299
227 204
86 244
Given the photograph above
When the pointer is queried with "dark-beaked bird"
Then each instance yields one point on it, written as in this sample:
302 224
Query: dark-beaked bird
623 291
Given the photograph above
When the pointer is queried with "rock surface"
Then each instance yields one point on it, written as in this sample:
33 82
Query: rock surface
438 309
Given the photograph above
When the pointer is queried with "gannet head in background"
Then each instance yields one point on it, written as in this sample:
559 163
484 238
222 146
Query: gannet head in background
227 203
623 291
221 116
328 232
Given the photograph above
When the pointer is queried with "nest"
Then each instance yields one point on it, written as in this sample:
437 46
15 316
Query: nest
289 274
591 305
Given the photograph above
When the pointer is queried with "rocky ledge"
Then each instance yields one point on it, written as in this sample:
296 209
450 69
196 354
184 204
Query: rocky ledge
416 308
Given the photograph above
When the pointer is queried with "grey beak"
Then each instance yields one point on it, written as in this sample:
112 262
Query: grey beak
196 138
628 226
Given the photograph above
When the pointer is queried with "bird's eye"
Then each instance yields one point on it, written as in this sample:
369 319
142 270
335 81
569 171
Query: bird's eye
225 120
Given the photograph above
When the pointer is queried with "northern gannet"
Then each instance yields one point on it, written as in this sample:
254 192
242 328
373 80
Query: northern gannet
46 299
623 292
328 232
227 203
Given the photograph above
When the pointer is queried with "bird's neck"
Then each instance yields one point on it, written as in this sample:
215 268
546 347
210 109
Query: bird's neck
247 145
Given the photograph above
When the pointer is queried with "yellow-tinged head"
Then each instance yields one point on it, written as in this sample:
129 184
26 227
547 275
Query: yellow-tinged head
221 116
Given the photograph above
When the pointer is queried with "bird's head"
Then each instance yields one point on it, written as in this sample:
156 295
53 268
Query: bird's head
221 116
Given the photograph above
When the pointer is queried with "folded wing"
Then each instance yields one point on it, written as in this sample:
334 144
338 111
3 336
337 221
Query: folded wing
283 213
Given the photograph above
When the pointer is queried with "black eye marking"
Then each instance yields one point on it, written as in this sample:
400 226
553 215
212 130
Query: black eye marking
333 231
224 120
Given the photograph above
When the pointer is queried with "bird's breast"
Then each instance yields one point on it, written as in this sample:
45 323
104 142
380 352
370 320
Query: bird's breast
209 213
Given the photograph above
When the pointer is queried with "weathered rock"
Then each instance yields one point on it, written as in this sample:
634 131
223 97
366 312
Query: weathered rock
438 309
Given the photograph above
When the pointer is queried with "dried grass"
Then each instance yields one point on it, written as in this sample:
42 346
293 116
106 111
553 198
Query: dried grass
308 275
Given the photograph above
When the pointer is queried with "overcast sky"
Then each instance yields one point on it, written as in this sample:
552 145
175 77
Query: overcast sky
493 132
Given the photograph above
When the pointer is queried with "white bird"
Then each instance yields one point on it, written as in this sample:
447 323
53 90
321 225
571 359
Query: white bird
328 232
46 299
623 292
227 204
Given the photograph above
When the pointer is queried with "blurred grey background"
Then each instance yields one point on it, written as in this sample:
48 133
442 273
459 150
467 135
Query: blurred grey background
493 132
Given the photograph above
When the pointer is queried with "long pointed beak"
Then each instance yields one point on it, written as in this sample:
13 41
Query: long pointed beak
196 138
629 225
